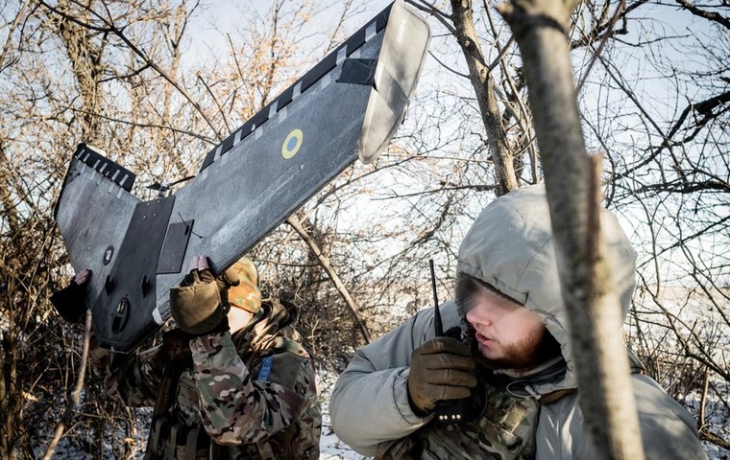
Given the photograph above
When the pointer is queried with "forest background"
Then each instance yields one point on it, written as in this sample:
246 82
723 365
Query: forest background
157 83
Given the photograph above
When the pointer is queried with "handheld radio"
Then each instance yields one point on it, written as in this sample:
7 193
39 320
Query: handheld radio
457 410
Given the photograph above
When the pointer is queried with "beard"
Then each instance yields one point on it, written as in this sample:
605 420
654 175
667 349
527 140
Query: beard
523 355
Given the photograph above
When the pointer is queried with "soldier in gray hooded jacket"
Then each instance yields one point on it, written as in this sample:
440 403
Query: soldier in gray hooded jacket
509 352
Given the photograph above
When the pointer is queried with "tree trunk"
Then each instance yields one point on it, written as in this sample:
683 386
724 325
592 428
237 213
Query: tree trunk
483 84
10 398
572 181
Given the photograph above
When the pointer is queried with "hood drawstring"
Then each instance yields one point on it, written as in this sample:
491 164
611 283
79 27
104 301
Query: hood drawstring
544 400
530 392
551 371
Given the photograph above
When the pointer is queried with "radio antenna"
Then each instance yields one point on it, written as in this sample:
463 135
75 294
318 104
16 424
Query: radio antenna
437 324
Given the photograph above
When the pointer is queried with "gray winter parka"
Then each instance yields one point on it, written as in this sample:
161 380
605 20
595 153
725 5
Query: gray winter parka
510 247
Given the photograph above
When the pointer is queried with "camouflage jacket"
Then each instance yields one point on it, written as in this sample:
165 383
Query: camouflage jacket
253 392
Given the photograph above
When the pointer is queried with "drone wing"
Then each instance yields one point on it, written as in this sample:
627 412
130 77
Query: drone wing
348 106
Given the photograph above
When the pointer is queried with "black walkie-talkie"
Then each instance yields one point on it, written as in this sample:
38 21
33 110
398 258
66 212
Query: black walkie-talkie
457 410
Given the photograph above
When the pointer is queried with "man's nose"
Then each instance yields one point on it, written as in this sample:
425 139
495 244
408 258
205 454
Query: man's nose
479 316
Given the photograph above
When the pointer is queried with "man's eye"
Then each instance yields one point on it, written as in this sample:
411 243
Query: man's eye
469 303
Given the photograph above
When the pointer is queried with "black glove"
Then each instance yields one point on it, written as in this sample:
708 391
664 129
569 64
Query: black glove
196 303
70 301
441 369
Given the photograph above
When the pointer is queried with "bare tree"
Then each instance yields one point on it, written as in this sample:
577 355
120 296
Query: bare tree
119 82
130 78
573 187
654 101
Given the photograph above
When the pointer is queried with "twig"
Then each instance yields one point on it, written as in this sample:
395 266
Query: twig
445 66
703 399
10 33
324 262
136 124
215 100
61 427
435 12
611 25
112 28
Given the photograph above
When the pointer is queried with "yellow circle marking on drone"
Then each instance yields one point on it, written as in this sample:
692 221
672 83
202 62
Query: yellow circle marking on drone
292 143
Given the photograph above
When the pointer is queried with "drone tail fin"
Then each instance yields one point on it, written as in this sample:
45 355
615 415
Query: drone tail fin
93 212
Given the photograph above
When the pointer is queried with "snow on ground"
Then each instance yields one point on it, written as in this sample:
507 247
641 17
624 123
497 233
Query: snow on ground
330 445
331 448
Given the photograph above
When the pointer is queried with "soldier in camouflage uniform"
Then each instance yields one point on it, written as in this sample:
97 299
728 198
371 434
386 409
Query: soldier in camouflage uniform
506 358
228 384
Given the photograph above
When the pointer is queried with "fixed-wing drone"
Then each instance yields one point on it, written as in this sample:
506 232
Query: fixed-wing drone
347 106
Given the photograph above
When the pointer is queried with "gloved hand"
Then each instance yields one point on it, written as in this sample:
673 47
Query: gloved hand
441 369
69 301
240 281
198 304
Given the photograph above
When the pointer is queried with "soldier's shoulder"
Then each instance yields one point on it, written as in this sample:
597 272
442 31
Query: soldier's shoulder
288 364
289 345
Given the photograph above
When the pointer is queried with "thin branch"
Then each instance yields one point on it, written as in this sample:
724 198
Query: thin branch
296 224
715 17
66 418
10 33
606 36
443 64
440 16
217 104
333 40
150 125
141 54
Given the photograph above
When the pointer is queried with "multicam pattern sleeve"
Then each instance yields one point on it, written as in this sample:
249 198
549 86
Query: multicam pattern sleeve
138 377
239 405
132 378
